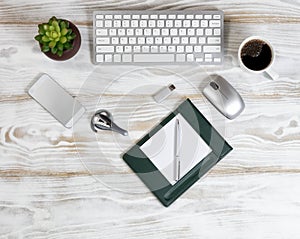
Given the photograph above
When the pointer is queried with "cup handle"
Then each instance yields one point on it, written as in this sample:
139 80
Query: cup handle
272 74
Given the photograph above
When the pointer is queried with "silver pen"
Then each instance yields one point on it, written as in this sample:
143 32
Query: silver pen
177 150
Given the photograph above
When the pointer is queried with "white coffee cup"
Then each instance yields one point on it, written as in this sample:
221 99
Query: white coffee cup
267 70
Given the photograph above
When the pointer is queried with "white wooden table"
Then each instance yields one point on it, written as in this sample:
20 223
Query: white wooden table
59 183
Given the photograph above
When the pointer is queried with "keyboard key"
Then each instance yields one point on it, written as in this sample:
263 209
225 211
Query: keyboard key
217 59
127 49
199 32
108 57
186 23
147 32
129 32
149 40
204 23
180 49
169 23
132 40
145 48
136 49
212 49
162 49
126 16
115 40
99 23
119 49
151 23
184 40
153 57
154 49
134 23
213 40
201 40
214 23
191 31
167 40
165 32
138 32
125 23
127 57
217 32
180 57
102 40
141 40
101 32
217 17
182 32
108 23
123 40
116 23
189 49
99 58
160 23
99 16
143 23
108 17
207 16
178 23
208 32
121 32
158 40
197 49
112 32
175 40
190 57
105 49
193 40
156 32
171 48
173 32
195 23
117 58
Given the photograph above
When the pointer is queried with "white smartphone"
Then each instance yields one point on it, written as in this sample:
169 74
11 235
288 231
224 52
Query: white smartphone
56 100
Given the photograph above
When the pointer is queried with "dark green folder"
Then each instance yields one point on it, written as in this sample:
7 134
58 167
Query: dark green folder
152 177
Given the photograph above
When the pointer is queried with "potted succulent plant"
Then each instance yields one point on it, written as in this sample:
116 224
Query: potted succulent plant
59 39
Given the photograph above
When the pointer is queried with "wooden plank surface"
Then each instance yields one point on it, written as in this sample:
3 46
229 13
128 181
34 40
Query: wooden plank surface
59 183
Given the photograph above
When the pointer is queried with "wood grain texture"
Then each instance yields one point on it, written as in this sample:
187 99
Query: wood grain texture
59 183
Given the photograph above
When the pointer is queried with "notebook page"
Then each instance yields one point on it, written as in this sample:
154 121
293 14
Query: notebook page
160 149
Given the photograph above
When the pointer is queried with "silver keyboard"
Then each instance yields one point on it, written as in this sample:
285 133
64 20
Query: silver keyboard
168 37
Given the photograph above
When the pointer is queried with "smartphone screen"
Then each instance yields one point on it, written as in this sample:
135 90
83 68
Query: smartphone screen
56 100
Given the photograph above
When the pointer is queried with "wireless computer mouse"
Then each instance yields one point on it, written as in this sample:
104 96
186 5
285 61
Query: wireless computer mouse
224 97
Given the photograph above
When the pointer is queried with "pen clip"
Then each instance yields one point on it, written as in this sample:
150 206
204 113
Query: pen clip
177 150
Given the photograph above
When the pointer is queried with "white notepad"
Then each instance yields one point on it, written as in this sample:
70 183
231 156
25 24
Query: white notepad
160 149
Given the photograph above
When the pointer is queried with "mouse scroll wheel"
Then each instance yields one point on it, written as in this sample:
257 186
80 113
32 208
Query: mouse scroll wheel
214 85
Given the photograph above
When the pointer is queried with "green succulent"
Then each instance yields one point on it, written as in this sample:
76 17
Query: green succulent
55 36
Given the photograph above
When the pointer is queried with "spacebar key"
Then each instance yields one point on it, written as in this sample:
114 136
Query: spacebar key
153 58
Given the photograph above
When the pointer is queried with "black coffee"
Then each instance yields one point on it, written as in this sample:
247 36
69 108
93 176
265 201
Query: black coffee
256 55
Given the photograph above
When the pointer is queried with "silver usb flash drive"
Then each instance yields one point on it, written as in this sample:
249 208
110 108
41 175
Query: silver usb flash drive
164 93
